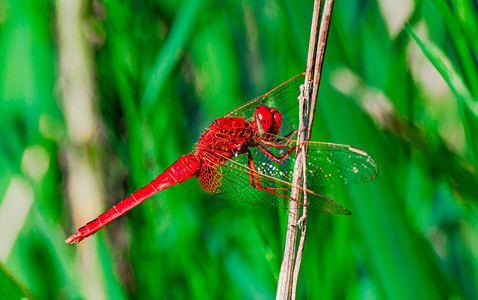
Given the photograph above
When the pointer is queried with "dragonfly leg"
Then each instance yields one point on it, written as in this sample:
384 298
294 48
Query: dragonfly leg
255 182
275 142
278 159
254 176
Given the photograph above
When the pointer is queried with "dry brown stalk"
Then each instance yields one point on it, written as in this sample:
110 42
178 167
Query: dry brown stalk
289 273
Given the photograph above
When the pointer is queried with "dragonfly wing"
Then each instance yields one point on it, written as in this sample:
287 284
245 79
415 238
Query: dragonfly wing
327 164
334 164
283 98
231 181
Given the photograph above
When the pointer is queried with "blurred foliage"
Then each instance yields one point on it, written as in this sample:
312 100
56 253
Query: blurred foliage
400 81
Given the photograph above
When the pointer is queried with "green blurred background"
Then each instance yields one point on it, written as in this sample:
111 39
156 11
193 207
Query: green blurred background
97 98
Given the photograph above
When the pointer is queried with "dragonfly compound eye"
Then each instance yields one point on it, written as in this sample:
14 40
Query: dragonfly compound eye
277 121
264 119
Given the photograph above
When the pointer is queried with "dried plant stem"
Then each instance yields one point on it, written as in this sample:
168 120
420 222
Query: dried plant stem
319 57
289 274
314 29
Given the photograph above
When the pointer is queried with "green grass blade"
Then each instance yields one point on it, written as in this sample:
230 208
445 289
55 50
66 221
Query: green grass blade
467 104
468 63
170 53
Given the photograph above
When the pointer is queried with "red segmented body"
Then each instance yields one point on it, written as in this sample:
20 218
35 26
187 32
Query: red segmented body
184 168
232 162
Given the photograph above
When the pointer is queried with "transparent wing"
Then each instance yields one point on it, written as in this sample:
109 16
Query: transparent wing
327 164
333 164
283 98
230 181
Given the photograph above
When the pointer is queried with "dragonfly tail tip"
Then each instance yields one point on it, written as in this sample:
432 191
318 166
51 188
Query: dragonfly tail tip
73 239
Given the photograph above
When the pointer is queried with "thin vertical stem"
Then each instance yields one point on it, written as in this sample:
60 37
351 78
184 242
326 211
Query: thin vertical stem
319 57
314 29
289 274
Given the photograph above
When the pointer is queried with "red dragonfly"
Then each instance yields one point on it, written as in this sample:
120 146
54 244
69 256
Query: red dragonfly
245 156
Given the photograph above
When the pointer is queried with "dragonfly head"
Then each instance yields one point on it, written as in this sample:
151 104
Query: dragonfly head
267 120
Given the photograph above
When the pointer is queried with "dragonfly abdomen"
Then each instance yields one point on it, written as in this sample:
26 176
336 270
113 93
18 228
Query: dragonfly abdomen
184 168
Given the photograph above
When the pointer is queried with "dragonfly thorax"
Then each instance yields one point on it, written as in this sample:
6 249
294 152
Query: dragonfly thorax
225 138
